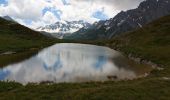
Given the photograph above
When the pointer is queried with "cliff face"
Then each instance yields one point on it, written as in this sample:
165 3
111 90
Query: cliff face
125 21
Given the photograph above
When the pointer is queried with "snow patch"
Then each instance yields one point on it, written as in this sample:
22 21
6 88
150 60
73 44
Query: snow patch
121 22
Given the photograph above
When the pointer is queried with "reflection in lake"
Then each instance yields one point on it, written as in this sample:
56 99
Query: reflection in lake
69 63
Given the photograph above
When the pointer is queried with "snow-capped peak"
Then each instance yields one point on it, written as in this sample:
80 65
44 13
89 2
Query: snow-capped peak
64 27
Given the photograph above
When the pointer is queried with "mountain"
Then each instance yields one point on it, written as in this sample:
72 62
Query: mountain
14 37
88 33
61 28
20 41
151 42
8 18
125 21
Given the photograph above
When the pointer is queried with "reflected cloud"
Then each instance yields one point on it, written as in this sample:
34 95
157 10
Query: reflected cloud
68 63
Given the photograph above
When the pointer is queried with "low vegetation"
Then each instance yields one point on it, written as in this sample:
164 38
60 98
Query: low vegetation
15 37
152 43
22 41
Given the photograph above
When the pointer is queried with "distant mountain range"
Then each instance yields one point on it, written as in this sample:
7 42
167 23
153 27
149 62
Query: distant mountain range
125 21
61 28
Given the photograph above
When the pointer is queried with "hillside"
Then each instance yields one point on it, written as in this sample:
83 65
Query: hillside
152 43
15 39
14 36
125 21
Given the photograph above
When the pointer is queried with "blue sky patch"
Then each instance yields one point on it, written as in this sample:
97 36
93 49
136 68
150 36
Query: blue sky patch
66 2
3 74
99 14
55 11
5 2
100 62
58 64
28 22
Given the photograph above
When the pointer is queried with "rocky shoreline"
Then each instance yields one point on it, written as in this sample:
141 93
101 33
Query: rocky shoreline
147 62
7 53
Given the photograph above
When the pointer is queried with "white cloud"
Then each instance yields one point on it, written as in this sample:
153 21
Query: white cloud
22 10
49 18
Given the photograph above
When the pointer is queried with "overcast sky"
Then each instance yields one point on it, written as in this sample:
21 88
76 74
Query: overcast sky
35 13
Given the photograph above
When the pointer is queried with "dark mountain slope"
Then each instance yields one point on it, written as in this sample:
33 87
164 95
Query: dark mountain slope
14 37
151 42
130 20
8 18
18 42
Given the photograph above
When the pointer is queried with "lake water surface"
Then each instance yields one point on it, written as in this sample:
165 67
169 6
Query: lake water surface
68 62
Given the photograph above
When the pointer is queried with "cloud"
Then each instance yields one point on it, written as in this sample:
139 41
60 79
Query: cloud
41 12
55 11
49 17
117 4
24 9
66 2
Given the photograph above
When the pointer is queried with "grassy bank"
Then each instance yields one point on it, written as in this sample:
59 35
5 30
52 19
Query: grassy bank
151 43
15 37
141 89
21 40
